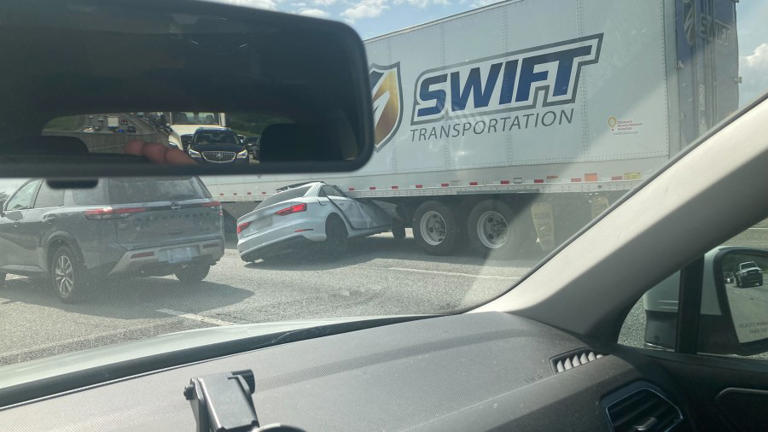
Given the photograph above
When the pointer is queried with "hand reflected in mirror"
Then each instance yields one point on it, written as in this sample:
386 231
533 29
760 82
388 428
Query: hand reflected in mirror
158 153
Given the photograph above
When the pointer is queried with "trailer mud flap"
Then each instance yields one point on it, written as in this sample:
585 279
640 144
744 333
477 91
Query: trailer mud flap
543 219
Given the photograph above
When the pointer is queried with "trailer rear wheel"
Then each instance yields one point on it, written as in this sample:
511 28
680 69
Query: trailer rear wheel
435 228
490 227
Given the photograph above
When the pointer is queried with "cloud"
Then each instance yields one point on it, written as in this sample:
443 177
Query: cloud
317 13
261 4
365 9
324 2
423 3
481 3
299 4
753 69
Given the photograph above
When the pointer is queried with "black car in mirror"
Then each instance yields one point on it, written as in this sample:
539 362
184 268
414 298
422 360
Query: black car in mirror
76 79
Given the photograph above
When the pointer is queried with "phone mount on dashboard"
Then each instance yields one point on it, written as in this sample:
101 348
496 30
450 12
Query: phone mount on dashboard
222 403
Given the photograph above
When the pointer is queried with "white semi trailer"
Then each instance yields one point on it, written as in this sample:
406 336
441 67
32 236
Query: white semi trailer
530 99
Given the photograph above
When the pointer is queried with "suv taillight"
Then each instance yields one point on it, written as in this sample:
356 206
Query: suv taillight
113 213
292 209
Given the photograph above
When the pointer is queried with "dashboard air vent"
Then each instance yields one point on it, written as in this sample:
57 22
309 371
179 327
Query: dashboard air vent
643 410
573 359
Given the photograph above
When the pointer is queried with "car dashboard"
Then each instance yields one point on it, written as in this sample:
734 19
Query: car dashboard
477 371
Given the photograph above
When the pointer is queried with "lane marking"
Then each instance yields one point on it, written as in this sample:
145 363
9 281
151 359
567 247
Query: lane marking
196 317
453 273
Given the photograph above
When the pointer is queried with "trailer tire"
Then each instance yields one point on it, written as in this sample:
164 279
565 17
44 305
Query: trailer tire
491 228
436 228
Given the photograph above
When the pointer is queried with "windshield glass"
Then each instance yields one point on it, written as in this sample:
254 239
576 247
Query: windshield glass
192 118
215 137
501 129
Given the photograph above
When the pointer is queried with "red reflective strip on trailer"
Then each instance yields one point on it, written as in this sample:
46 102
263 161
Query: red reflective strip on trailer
221 194
504 182
614 178
395 187
473 183
538 180
263 193
372 188
590 177
444 184
551 178
351 188
576 180
419 186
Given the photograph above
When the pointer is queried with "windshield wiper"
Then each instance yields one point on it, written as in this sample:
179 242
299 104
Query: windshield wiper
222 403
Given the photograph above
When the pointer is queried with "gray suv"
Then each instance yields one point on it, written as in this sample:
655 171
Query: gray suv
124 226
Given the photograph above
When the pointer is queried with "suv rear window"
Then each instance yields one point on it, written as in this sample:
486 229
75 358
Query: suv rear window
148 189
284 196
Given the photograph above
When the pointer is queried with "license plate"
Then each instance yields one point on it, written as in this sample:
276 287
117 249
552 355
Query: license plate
179 255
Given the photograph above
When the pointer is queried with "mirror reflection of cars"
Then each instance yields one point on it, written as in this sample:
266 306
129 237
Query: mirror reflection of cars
306 214
131 129
749 274
729 278
661 302
76 238
216 145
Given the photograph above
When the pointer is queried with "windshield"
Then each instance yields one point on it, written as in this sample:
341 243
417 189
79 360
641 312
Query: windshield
193 118
501 129
215 137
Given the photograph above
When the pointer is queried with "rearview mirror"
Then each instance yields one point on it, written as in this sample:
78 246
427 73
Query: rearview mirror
78 74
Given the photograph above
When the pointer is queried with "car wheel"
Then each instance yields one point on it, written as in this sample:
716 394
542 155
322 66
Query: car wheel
192 274
336 236
435 228
69 278
490 227
398 229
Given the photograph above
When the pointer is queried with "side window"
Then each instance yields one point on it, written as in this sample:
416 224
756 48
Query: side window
728 295
47 197
23 198
88 197
331 191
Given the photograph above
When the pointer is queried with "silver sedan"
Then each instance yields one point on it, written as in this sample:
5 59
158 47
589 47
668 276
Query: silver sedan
305 214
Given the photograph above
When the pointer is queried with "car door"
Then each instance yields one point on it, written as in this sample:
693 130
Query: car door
39 222
15 251
347 206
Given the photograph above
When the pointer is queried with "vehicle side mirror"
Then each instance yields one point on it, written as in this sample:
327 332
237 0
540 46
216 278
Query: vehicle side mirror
742 296
734 305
